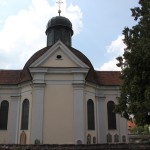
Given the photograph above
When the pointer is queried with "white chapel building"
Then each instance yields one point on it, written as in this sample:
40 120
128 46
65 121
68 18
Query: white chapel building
58 97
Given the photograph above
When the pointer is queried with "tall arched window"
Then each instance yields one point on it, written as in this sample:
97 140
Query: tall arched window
90 115
4 115
111 115
25 115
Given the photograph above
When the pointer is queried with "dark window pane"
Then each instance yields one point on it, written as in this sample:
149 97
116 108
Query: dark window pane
90 115
4 115
123 138
25 115
111 115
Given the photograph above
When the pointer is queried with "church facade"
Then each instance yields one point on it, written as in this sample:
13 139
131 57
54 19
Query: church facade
58 97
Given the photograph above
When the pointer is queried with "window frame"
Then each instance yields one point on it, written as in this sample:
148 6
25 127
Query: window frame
90 115
111 116
25 114
4 111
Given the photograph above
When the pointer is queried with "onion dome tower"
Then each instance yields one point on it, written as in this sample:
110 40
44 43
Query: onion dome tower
59 28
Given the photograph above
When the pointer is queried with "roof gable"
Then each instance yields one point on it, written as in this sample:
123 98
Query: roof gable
59 55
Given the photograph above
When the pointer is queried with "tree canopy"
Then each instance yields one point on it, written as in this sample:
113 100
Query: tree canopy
135 67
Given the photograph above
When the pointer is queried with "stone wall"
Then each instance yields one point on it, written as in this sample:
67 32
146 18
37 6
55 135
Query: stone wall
133 138
78 147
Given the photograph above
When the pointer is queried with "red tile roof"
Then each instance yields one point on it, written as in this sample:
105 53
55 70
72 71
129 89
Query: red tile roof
25 74
9 76
108 77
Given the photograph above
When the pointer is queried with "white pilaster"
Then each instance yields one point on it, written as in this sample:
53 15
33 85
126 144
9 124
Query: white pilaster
37 113
123 128
101 119
79 114
13 125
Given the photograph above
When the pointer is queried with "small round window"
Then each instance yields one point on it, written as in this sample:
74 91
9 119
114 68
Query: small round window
58 56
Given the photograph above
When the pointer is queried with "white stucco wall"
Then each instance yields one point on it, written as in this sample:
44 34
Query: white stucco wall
11 94
104 95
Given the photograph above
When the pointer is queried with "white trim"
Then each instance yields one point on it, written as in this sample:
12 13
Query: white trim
37 113
13 124
59 82
8 94
79 113
109 87
101 120
59 70
9 87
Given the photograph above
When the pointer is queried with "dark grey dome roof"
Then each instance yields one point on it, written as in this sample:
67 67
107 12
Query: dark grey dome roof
59 21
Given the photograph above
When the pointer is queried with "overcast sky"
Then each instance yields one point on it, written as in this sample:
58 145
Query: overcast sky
97 26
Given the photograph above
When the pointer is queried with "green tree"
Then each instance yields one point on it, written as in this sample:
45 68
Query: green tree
140 130
135 67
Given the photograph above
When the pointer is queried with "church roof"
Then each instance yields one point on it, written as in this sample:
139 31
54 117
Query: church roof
64 26
25 74
108 77
59 21
105 78
97 77
81 56
10 76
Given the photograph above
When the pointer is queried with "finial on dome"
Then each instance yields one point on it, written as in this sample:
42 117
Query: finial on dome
59 4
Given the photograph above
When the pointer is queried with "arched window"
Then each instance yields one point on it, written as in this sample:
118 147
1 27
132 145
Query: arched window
116 138
4 115
111 115
109 138
90 115
25 115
